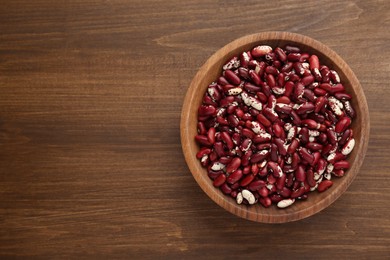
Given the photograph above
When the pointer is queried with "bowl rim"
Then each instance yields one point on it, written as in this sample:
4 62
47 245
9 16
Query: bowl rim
285 215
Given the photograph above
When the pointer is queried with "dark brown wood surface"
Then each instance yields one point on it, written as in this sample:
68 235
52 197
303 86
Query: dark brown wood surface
91 162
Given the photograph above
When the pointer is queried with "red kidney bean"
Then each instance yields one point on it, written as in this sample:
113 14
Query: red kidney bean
203 140
247 168
265 201
202 152
260 51
310 178
314 146
263 192
306 108
225 188
341 165
314 62
342 96
214 174
219 180
227 140
271 70
324 185
310 123
251 88
206 110
233 165
342 124
211 135
305 155
298 192
280 182
304 135
300 173
332 137
345 137
256 185
283 100
275 198
322 138
309 95
234 177
222 81
294 77
283 108
293 146
320 92
293 56
246 180
281 54
281 148
285 192
232 77
278 130
317 156
255 77
320 103
201 128
339 172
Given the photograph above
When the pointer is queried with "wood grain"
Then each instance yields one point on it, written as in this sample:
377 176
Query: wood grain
91 161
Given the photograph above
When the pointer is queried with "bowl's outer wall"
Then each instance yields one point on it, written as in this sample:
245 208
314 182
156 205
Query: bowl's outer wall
212 69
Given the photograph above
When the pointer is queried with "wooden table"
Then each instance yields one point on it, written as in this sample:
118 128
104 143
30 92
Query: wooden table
91 161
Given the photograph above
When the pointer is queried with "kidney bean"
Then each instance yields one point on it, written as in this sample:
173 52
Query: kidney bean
341 165
339 173
344 137
219 180
234 177
319 92
261 50
281 148
305 155
232 77
342 96
314 146
283 108
256 185
324 185
307 107
293 146
349 109
310 178
233 165
222 81
277 130
348 147
255 77
334 76
225 188
285 203
342 124
293 56
285 192
298 192
300 173
314 62
265 201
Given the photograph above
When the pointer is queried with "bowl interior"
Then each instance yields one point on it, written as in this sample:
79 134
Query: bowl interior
212 69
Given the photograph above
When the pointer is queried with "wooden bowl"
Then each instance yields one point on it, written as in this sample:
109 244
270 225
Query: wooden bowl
212 69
